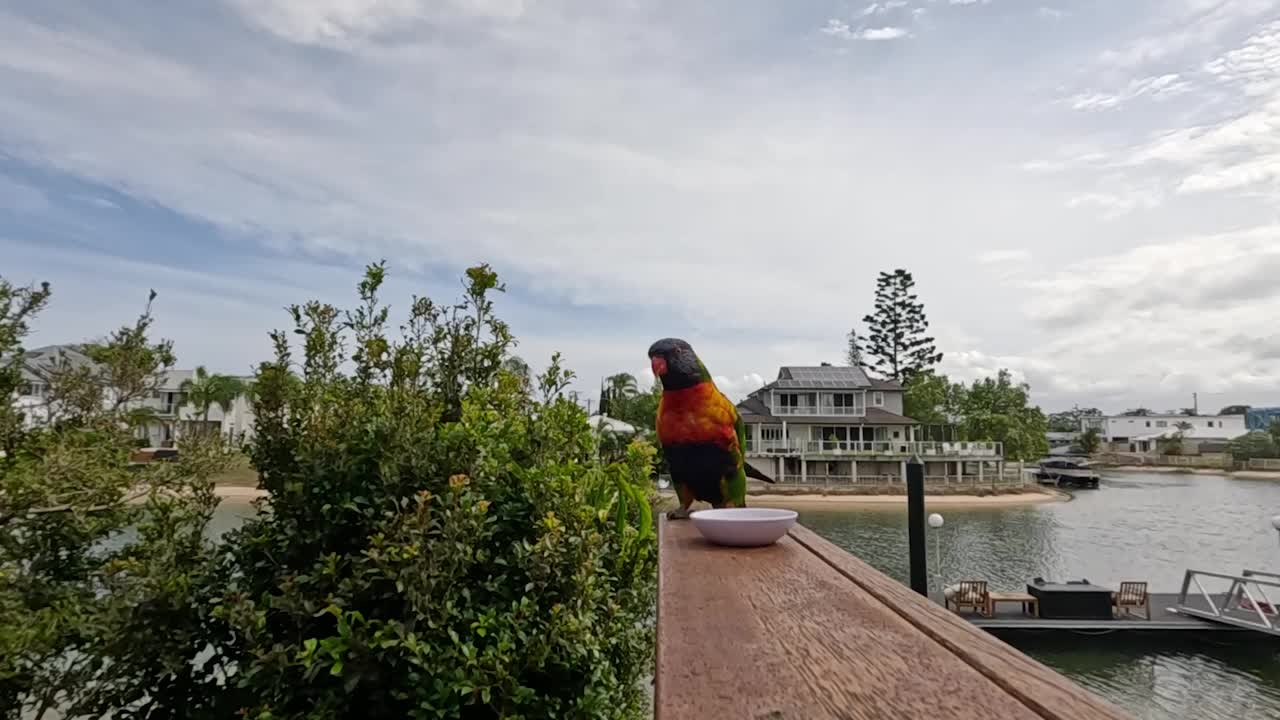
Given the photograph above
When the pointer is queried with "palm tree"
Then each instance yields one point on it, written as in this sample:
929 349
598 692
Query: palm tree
622 385
206 389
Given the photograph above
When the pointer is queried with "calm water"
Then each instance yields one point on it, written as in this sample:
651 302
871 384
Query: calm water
1136 527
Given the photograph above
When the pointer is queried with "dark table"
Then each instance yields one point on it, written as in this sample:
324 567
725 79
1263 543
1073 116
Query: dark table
1072 601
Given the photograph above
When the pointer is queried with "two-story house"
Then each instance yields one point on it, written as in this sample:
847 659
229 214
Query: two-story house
171 414
835 424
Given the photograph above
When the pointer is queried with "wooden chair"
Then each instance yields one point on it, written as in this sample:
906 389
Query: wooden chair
1132 596
970 594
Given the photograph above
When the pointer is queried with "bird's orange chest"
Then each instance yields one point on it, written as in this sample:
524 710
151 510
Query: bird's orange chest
699 414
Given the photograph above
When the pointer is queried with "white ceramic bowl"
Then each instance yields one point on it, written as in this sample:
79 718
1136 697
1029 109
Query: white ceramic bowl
743 527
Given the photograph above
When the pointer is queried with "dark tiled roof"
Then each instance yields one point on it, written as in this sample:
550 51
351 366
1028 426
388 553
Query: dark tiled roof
754 409
878 416
885 384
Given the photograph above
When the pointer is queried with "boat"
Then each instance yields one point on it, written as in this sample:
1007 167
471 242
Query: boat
1068 472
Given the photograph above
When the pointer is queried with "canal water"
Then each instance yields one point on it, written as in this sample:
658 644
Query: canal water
1137 526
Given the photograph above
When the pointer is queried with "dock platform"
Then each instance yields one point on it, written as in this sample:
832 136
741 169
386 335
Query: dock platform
1009 618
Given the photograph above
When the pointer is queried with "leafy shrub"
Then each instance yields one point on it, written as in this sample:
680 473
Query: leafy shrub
438 543
439 539
95 556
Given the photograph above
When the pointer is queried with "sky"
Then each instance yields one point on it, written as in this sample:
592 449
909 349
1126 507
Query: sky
1086 191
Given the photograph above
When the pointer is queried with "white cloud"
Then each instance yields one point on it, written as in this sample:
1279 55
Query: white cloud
840 29
1185 26
1254 68
1051 13
738 388
880 8
1116 204
968 2
1156 87
341 22
103 203
883 33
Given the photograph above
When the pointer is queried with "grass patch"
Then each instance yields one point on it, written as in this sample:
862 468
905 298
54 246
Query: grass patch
238 474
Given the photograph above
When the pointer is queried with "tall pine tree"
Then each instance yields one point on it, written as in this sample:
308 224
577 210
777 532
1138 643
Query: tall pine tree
897 346
854 355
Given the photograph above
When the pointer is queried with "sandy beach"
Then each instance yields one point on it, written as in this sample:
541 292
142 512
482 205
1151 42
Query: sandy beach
813 502
234 492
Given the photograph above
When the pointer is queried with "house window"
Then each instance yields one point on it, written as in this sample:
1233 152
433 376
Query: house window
770 432
830 434
1210 423
847 403
1148 423
1161 423
877 399
896 434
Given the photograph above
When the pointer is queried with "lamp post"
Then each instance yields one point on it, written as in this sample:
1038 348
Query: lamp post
935 523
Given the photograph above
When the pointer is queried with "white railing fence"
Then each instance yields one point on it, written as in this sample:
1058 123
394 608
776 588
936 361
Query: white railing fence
925 450
990 478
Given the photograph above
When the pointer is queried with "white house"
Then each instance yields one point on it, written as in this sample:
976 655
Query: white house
173 414
835 424
1142 433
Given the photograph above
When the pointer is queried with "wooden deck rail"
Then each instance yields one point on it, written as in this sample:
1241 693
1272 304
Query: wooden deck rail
802 630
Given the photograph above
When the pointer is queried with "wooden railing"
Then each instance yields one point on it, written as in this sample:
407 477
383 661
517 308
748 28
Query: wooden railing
802 630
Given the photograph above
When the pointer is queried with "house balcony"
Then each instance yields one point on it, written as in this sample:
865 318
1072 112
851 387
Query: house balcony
819 411
892 448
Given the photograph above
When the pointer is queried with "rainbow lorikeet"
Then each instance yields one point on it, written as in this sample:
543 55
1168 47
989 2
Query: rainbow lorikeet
701 433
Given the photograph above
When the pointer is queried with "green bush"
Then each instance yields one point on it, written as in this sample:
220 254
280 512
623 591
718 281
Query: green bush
99 561
439 538
439 543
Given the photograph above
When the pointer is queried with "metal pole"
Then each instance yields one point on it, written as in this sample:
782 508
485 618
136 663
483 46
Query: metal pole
916 525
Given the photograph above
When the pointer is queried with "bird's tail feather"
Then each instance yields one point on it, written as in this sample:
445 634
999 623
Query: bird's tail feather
753 472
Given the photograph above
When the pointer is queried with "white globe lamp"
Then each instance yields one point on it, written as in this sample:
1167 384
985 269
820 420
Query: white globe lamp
936 521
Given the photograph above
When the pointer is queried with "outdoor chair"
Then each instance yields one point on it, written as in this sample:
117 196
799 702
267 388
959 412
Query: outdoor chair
970 594
1131 597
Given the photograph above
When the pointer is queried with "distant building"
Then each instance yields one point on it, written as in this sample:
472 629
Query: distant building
828 424
1143 433
172 414
1261 418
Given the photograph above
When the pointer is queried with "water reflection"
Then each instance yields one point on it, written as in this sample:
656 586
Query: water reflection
1137 527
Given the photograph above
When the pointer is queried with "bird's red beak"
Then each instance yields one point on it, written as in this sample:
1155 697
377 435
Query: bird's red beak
659 366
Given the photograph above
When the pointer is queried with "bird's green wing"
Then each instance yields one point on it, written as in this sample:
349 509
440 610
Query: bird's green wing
736 483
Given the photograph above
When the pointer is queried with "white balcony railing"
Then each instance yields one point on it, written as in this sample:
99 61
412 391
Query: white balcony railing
820 410
925 450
